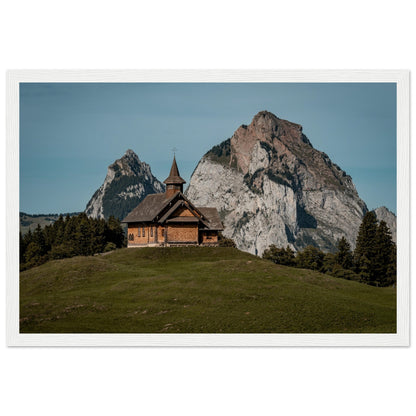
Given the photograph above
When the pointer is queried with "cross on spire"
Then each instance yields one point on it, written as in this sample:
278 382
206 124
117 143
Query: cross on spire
174 182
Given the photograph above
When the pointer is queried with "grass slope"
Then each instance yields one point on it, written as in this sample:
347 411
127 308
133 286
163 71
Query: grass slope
195 290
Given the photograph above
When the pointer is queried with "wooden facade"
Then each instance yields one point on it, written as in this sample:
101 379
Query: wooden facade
170 219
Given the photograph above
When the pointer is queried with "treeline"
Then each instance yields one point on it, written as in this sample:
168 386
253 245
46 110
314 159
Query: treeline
70 236
48 215
373 261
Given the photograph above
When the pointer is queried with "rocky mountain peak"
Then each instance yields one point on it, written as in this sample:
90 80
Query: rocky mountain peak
129 164
384 214
130 153
127 182
272 187
278 134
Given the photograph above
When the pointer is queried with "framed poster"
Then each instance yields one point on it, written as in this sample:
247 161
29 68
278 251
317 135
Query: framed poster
208 208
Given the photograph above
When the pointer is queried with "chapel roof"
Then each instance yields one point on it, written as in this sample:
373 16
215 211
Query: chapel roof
154 204
148 208
213 217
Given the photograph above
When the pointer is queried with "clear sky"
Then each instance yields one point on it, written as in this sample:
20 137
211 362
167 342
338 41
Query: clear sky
71 132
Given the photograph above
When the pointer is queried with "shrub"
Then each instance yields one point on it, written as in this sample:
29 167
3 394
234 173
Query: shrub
284 256
109 247
225 242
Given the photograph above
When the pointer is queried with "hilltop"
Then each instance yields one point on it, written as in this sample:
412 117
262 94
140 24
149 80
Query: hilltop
196 290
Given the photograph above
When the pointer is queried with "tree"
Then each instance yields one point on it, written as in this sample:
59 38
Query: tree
365 250
329 263
59 227
285 256
343 256
70 229
33 255
383 255
392 267
310 258
76 235
98 228
22 248
115 233
83 236
39 240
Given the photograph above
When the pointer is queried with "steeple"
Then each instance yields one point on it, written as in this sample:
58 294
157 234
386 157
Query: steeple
174 183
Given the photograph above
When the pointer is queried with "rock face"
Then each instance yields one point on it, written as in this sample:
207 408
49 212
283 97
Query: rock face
272 187
127 183
383 214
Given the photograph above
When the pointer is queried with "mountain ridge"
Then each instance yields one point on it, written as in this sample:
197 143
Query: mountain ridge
268 182
272 186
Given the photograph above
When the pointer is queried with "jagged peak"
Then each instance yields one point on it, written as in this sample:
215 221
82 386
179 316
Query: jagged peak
265 114
383 213
383 208
266 117
130 154
129 164
128 180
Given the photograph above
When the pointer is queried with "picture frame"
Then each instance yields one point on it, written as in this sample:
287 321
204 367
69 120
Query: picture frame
400 77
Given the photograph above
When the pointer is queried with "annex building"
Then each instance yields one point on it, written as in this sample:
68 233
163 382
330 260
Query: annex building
170 219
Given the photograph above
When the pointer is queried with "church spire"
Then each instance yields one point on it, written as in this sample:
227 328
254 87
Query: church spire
174 183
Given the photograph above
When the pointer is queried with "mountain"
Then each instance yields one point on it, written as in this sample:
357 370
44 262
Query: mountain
272 187
127 183
383 214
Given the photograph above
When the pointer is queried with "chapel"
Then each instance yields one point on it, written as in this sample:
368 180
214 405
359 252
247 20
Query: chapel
170 219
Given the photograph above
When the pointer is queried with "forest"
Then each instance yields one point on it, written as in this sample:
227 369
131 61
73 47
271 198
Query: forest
372 262
71 236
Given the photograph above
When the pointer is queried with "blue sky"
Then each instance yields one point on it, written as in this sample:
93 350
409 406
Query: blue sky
71 132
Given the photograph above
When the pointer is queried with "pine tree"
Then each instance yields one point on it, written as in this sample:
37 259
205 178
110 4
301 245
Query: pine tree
83 236
98 242
310 258
39 240
365 250
33 255
59 227
343 256
366 271
115 233
22 248
382 257
76 235
392 267
285 256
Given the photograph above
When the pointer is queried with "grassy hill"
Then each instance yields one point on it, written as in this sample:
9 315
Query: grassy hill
195 290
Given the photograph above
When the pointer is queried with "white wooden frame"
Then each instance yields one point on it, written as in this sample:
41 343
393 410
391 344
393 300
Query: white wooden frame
401 338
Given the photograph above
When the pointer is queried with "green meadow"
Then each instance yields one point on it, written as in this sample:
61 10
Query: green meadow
196 290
